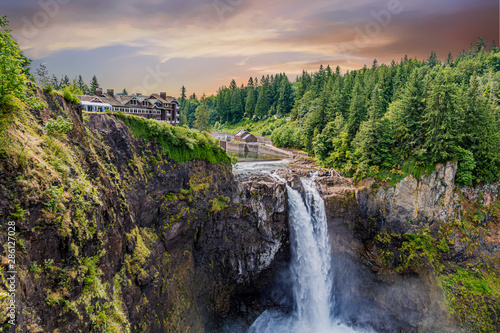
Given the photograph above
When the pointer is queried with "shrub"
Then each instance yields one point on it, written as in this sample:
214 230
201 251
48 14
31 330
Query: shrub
70 96
59 126
180 144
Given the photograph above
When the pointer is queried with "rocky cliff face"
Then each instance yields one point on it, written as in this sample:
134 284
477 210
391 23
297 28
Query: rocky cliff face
115 236
420 202
420 256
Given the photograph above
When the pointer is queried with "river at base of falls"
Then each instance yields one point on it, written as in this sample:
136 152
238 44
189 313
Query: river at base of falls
314 303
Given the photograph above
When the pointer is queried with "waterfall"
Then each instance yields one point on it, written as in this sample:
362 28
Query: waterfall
311 270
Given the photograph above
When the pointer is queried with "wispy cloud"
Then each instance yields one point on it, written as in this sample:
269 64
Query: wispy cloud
251 38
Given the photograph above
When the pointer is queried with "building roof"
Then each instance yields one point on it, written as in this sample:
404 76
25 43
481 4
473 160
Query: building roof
122 100
242 133
248 135
95 104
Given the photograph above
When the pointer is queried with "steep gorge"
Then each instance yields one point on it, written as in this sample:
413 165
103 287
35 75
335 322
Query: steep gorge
113 235
116 235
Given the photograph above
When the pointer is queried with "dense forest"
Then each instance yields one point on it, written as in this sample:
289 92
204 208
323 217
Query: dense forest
384 121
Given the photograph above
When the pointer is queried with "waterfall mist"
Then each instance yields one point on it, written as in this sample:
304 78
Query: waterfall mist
310 271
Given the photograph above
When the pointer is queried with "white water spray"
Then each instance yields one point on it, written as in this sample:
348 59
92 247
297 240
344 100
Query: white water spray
311 270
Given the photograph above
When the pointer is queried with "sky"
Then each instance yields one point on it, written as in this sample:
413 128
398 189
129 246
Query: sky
160 45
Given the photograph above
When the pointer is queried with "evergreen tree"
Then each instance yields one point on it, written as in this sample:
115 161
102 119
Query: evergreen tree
54 81
236 105
285 101
262 106
374 139
250 103
408 111
183 95
441 118
304 84
201 121
64 82
125 92
433 60
81 85
478 134
43 75
319 81
356 110
338 101
449 60
494 47
323 143
480 44
94 85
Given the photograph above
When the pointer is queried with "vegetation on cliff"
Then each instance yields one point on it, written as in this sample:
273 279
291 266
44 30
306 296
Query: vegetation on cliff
180 144
84 253
459 257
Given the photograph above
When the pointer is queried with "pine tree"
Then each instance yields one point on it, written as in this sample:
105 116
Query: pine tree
183 95
43 75
54 81
250 102
94 85
338 101
304 83
201 121
480 44
374 139
125 92
433 60
478 133
441 119
494 47
449 60
81 85
319 81
64 82
236 105
323 143
408 111
356 110
285 100
262 106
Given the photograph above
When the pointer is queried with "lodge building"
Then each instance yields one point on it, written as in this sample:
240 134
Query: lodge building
156 106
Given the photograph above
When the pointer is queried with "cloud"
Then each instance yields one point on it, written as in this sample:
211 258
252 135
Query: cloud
221 38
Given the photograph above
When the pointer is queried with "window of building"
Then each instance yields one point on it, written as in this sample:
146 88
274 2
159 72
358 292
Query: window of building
133 102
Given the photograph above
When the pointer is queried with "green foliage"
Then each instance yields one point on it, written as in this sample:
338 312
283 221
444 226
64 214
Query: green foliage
201 121
341 155
289 136
178 143
135 262
219 203
470 293
94 85
413 114
48 88
54 199
59 126
467 165
35 269
70 92
18 213
419 249
12 76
